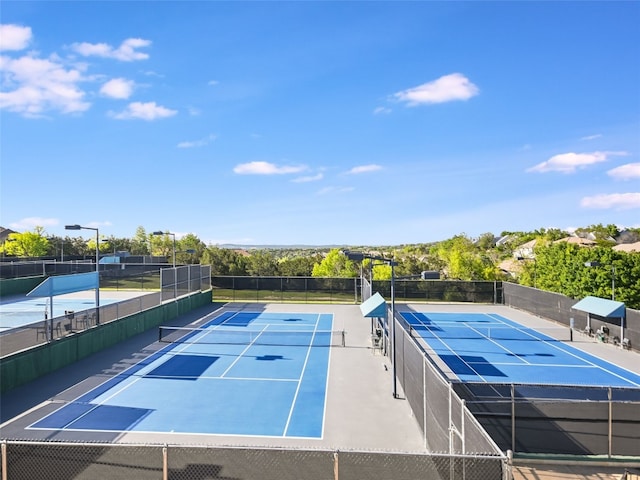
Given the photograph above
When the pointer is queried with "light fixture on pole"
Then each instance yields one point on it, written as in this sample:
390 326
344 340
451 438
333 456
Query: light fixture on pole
594 263
79 227
359 257
174 243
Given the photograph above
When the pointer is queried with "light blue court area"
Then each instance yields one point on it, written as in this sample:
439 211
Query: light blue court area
243 373
19 311
489 348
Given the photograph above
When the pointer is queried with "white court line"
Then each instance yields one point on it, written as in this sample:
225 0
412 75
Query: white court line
448 347
304 367
554 345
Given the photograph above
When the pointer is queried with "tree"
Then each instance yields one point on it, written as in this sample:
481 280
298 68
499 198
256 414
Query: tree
224 261
190 249
140 243
27 244
335 264
298 266
262 264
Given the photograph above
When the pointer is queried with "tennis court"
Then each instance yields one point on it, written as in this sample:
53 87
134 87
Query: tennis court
239 373
490 348
19 310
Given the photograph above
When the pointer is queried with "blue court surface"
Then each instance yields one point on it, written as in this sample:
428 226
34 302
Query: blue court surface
241 373
489 348
19 311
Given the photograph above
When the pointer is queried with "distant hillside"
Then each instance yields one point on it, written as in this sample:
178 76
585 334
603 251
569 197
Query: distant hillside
233 246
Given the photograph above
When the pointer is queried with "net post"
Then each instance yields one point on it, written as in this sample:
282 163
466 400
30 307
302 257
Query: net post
344 342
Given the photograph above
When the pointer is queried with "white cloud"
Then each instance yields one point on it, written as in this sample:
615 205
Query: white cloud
381 110
625 172
311 178
126 52
120 88
144 111
618 201
213 83
266 168
570 162
14 37
591 137
364 169
445 89
38 85
197 143
30 223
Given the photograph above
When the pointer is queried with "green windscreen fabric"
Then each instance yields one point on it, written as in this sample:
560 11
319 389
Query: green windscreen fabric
62 284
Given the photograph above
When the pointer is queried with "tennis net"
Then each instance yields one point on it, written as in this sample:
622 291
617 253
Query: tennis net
492 332
230 336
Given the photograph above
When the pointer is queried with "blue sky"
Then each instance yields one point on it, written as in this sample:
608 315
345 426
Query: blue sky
355 123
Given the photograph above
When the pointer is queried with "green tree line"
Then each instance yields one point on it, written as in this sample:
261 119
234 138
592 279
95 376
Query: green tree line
554 266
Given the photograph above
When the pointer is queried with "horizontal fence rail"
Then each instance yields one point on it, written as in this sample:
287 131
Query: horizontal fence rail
349 290
175 282
88 461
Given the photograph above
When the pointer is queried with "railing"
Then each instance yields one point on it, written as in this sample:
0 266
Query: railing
349 290
28 460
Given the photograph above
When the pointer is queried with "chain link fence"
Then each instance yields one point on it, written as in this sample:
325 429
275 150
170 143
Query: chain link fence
557 419
175 282
350 290
446 422
79 461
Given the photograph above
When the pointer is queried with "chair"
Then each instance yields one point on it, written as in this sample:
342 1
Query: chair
82 323
42 330
58 328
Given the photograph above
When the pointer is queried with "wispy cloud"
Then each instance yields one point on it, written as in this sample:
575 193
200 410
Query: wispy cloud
591 137
618 201
447 88
126 52
310 178
266 168
364 169
119 88
14 37
213 83
570 162
144 111
30 223
625 172
381 110
198 143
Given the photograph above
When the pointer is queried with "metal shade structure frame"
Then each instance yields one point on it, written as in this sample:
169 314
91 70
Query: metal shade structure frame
80 227
359 257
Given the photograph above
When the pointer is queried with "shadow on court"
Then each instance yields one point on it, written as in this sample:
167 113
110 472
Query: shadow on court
70 382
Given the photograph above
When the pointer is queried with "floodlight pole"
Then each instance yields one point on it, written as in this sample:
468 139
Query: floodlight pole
359 256
79 227
393 326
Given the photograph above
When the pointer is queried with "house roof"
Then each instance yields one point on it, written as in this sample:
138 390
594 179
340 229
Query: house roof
627 247
577 241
